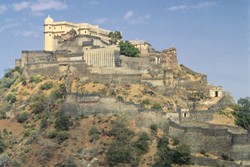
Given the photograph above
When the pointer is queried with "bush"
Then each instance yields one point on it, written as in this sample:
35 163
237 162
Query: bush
11 97
4 160
44 156
15 163
156 106
69 162
154 127
120 131
38 103
62 135
51 134
181 155
59 92
119 152
46 86
2 114
44 123
35 79
120 98
141 145
22 117
94 133
2 145
62 121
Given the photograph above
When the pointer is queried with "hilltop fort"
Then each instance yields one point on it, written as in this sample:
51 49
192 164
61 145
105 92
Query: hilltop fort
82 74
84 51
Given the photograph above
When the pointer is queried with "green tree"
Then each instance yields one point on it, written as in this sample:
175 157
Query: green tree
115 37
181 155
94 132
62 121
38 103
128 49
22 117
11 97
242 117
245 104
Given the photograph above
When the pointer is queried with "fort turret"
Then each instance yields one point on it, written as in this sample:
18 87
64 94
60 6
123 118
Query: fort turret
48 34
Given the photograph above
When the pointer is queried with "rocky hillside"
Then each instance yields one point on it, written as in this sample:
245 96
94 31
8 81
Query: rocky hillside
40 128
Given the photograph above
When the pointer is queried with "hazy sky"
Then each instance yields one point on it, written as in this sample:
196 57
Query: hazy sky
211 36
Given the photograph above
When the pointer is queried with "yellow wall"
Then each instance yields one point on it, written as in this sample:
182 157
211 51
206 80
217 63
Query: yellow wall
52 29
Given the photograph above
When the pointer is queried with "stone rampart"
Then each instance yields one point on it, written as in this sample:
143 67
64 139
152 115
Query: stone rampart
29 57
213 139
123 79
45 69
203 161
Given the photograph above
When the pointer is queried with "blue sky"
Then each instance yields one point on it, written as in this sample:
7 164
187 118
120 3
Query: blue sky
211 36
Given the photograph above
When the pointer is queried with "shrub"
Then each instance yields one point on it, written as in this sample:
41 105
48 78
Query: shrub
44 123
38 103
62 121
62 135
44 156
46 86
15 163
120 131
4 160
120 98
119 152
10 97
2 145
2 114
22 117
35 79
69 162
181 155
156 106
154 127
51 134
141 145
59 92
94 133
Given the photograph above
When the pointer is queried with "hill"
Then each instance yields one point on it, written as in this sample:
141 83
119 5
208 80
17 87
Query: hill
94 125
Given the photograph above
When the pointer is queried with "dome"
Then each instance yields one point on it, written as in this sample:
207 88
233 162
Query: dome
48 20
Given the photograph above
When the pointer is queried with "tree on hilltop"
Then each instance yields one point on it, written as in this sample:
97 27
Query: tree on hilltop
115 37
128 49
242 115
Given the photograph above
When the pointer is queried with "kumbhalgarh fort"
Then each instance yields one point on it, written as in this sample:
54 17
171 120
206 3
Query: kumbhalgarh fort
149 88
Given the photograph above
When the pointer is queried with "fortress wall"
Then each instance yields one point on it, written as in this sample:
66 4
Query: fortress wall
122 79
216 141
241 139
200 116
204 161
136 63
35 57
46 69
78 68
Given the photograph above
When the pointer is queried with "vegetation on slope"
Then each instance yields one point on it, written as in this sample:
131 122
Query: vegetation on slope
36 131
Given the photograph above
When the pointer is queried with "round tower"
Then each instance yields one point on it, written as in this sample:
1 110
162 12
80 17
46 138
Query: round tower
48 34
